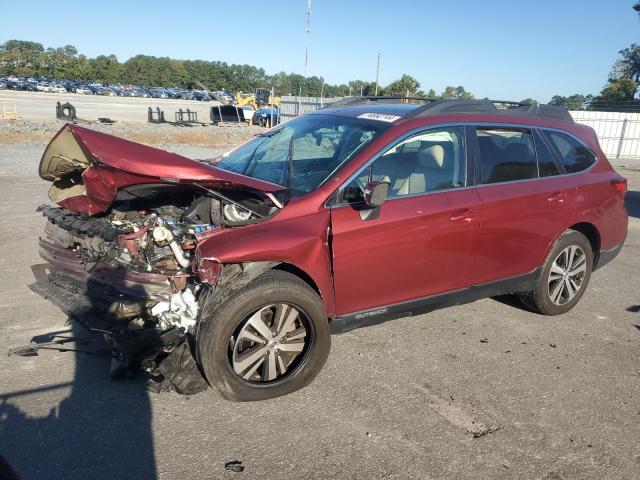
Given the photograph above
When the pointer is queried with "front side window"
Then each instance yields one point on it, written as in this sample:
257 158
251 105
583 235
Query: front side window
301 153
425 162
574 155
506 155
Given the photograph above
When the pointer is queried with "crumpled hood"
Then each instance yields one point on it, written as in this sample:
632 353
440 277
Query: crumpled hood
88 167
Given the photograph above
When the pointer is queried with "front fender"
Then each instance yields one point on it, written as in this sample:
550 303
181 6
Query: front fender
302 241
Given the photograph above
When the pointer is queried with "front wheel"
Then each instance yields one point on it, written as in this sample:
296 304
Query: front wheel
268 339
565 276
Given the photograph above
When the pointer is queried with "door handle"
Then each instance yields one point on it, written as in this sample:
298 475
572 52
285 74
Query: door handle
465 216
557 197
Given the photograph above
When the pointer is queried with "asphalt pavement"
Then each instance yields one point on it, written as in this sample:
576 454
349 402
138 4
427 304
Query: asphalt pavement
486 390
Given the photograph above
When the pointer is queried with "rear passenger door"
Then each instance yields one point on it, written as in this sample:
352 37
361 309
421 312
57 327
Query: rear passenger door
525 202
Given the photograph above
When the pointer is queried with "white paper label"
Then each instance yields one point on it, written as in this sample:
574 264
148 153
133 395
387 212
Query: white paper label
383 117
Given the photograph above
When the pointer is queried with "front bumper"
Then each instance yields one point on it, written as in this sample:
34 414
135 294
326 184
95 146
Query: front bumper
71 272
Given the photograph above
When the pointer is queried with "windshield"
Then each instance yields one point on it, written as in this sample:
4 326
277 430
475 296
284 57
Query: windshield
303 152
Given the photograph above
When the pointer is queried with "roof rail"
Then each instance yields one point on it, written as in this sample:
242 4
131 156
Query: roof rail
434 106
440 107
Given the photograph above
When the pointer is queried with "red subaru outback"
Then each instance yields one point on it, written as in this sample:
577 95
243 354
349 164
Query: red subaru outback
348 216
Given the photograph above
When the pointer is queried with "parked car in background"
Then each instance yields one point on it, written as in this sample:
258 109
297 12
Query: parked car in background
56 85
58 89
44 87
266 116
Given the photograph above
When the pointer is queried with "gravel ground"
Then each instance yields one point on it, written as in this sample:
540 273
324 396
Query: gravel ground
561 395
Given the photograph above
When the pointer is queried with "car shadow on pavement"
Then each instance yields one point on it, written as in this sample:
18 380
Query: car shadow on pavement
102 430
632 202
511 300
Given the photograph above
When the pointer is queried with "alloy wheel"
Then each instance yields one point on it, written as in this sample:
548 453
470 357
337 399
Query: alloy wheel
567 275
270 343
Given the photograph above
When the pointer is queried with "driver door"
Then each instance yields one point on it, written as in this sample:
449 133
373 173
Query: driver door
419 241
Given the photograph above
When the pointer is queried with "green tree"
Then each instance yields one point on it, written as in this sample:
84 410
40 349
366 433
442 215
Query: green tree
456 93
360 87
572 102
19 57
405 86
623 89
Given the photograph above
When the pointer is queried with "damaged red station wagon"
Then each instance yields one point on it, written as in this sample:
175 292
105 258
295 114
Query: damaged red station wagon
372 209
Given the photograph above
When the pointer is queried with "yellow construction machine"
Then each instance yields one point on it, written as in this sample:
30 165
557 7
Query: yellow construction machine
262 98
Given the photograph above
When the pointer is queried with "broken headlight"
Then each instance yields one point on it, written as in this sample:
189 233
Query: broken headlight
235 213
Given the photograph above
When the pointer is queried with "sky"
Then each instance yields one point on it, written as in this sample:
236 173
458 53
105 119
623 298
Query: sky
501 49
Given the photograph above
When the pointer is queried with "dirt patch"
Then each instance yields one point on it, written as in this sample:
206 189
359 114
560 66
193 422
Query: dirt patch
202 138
20 131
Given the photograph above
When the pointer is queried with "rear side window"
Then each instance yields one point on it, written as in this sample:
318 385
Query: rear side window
574 155
546 163
506 155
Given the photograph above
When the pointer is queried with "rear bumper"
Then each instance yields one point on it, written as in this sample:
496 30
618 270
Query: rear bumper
605 256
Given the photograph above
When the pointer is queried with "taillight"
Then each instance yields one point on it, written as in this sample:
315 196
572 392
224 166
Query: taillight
620 184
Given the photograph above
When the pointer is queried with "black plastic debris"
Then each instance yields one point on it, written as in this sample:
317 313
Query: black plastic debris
177 371
234 466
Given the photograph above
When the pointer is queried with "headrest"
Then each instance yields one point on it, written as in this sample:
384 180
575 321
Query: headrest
431 157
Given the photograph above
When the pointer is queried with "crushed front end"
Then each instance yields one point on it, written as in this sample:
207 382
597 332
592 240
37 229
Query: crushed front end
127 275
120 246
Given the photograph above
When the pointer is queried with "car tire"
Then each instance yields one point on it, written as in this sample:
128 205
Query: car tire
227 328
564 277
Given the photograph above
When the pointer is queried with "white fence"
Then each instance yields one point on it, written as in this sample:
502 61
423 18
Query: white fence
618 133
292 106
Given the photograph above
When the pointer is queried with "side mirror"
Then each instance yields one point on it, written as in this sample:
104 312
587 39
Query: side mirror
375 193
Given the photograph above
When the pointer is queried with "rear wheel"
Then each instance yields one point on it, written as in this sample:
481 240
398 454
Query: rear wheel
565 276
268 339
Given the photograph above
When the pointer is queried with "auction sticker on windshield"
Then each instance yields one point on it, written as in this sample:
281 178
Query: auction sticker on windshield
383 117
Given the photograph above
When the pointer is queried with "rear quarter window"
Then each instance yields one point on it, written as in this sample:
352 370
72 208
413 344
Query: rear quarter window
575 156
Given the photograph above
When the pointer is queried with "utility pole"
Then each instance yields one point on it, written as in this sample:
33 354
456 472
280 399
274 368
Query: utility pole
377 73
307 30
306 38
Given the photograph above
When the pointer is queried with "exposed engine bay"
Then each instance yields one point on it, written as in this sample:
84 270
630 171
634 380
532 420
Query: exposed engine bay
142 251
152 228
